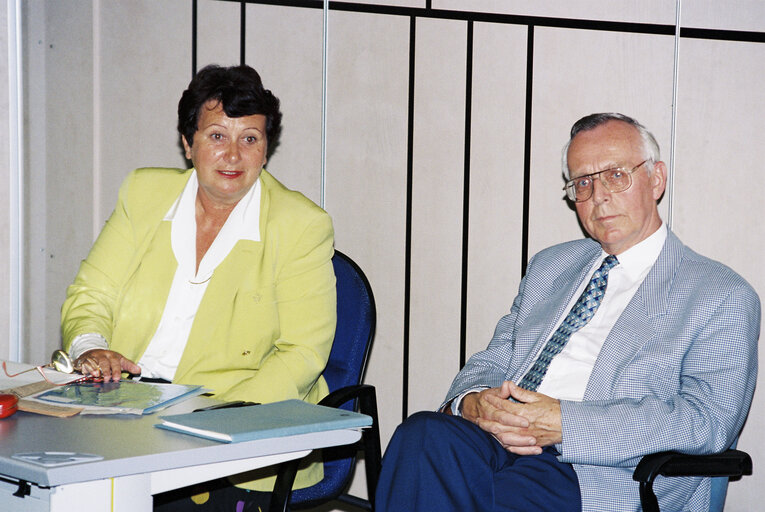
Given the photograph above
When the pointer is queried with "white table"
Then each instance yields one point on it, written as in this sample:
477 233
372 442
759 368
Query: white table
139 460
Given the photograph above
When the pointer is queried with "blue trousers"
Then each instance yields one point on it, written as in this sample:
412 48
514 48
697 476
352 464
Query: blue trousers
440 462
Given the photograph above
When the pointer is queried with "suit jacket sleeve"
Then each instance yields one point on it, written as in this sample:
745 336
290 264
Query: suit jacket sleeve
93 298
688 392
542 294
488 368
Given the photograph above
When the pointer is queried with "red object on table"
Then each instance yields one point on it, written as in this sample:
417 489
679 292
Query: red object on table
9 404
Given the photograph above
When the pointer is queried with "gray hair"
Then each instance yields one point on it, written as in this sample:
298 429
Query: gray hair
592 121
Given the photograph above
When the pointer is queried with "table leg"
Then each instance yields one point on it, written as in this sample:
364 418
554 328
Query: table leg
128 493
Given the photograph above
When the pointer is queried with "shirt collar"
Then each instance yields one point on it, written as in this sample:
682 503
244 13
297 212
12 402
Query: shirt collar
639 258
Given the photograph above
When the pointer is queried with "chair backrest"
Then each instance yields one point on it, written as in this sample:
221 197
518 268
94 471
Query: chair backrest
356 317
719 489
356 320
717 493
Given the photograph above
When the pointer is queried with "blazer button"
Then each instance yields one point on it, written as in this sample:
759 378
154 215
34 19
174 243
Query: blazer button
256 297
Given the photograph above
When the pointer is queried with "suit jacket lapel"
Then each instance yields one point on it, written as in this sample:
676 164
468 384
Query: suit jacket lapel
636 325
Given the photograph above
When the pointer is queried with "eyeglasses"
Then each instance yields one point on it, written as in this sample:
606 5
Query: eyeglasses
618 179
60 361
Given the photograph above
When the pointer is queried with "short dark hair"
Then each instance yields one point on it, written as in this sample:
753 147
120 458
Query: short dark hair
240 91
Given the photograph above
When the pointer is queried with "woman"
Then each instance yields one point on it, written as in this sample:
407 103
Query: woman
217 275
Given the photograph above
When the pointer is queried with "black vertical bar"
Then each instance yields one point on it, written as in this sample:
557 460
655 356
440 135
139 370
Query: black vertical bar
428 4
466 191
408 235
193 38
242 29
527 149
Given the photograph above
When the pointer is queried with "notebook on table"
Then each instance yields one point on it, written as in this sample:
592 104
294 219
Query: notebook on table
278 419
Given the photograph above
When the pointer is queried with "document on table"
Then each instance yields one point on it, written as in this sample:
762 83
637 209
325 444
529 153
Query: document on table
122 397
63 397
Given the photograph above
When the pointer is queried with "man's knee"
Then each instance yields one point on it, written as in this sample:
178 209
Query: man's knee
427 428
417 428
427 425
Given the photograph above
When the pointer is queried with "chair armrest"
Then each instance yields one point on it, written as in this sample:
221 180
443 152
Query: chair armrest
370 441
340 396
370 437
730 463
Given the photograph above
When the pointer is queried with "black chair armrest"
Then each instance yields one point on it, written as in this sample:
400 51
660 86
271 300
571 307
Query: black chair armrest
370 437
370 442
730 463
339 396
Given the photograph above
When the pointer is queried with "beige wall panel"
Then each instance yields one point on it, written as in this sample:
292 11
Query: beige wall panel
438 168
643 11
719 187
285 45
218 27
394 3
36 244
496 177
578 72
366 182
144 61
5 176
728 15
59 152
366 177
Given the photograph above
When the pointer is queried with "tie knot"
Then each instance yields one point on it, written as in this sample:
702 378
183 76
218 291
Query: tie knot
608 263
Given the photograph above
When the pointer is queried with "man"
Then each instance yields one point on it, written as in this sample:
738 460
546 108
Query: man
617 346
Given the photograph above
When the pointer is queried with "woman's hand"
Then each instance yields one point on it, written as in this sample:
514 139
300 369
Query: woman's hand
105 364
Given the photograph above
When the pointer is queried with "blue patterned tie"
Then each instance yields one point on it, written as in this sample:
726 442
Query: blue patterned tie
580 314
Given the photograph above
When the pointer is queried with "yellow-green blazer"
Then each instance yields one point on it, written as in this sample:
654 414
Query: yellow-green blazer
265 325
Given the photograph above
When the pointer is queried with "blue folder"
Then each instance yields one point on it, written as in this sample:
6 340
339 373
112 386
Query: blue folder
278 419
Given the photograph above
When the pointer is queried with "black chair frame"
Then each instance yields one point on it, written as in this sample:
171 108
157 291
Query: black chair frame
364 401
731 463
369 444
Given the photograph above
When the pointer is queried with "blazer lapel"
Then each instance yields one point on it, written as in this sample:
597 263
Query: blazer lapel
636 325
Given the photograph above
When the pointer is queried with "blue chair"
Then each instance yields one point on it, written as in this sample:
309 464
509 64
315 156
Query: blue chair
356 318
721 466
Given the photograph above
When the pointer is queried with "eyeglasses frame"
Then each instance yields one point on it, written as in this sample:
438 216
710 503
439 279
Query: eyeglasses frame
40 368
570 183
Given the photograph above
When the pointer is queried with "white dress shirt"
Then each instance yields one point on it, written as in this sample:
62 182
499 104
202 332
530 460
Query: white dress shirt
569 371
161 358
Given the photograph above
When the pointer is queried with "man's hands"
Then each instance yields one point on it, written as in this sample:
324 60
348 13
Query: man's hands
522 428
106 364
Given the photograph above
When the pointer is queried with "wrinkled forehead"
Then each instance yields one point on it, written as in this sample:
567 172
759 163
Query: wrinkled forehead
613 144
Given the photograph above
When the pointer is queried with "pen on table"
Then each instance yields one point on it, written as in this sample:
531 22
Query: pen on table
226 405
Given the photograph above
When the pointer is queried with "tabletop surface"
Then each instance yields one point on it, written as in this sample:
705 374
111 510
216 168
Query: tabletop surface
130 445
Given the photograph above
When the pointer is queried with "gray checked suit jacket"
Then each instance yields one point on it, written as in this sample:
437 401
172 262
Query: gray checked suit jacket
677 371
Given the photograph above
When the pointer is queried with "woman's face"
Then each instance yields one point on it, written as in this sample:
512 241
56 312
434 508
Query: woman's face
228 153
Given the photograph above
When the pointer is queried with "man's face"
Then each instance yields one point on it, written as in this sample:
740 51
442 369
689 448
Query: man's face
622 219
